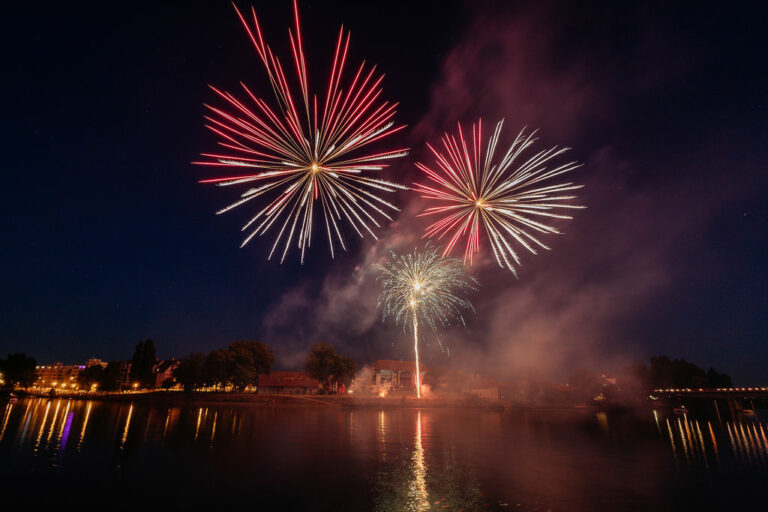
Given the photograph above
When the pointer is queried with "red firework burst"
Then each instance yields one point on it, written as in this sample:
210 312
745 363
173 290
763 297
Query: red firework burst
308 151
499 198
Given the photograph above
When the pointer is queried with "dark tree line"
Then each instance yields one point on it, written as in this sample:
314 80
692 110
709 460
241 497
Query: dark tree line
330 368
18 370
142 364
679 373
636 381
238 365
106 378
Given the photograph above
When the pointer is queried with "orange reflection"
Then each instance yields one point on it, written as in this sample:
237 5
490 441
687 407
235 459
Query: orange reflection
85 425
63 422
672 440
381 435
127 427
418 488
714 441
42 425
199 418
213 429
602 420
53 421
682 438
7 415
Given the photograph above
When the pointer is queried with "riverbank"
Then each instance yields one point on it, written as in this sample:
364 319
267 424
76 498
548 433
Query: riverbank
179 398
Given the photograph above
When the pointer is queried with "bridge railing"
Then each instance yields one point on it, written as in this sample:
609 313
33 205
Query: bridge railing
712 390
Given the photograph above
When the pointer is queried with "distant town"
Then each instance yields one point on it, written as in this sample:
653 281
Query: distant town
246 367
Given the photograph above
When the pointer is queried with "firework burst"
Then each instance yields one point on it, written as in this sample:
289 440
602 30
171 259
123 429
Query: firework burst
310 153
423 287
509 200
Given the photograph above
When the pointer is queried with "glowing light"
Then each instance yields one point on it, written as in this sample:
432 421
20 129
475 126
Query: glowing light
199 418
42 426
8 410
509 202
423 286
127 427
85 425
418 488
310 153
53 422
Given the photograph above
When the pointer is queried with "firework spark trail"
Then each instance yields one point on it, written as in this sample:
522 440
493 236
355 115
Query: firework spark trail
304 154
510 203
423 287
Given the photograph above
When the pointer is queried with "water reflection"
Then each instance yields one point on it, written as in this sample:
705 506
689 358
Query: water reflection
419 496
6 415
213 428
127 427
42 426
85 425
199 419
699 445
414 478
389 459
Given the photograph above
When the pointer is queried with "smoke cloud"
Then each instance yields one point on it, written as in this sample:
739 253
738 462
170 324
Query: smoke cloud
573 306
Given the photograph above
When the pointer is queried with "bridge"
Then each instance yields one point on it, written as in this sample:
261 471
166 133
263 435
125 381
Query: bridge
740 402
724 393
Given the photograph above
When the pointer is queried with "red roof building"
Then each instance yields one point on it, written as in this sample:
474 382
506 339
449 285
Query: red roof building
291 383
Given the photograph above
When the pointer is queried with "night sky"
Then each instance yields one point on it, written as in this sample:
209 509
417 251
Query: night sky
108 238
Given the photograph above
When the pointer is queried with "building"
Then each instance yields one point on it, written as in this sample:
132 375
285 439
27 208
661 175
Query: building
125 373
58 375
288 383
95 362
393 375
163 372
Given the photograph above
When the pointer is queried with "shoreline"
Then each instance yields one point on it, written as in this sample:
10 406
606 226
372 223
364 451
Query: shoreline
179 398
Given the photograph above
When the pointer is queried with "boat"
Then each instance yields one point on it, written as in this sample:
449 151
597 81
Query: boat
12 399
680 411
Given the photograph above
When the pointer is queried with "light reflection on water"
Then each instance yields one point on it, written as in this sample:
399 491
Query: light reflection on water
694 441
419 496
383 460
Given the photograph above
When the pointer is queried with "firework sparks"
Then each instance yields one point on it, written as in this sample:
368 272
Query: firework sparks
510 202
309 154
423 287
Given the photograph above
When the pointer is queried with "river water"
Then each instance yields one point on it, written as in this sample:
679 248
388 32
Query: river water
110 456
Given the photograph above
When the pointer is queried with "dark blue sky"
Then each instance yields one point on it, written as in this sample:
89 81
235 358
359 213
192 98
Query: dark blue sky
107 237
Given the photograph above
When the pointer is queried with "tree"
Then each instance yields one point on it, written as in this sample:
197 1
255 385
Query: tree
320 361
215 368
189 371
326 365
248 359
143 362
109 379
18 370
344 369
679 373
90 376
718 380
